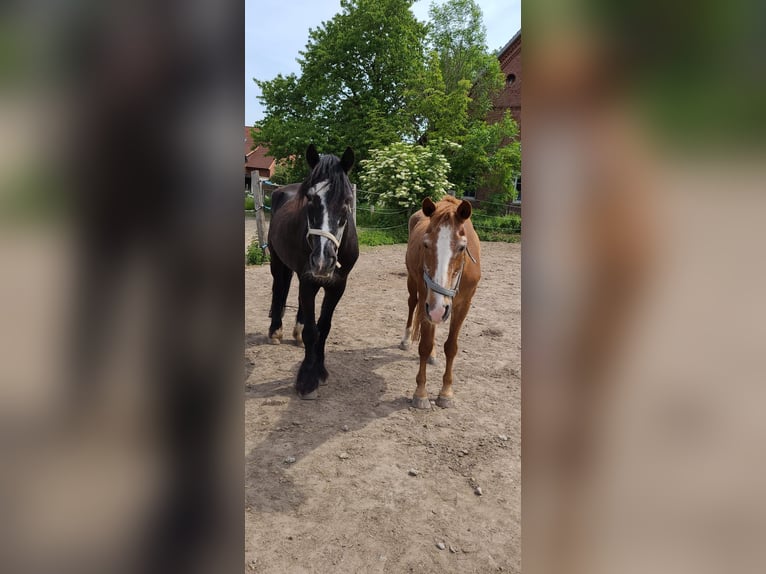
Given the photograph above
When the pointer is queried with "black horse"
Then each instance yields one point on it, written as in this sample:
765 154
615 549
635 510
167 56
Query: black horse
312 234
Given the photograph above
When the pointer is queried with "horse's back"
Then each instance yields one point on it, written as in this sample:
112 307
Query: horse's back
282 195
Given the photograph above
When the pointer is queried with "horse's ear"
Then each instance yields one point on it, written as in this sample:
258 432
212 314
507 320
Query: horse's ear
464 210
312 156
347 161
428 207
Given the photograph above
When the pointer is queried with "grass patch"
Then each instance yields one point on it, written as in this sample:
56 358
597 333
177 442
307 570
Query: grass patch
498 236
382 236
501 228
249 203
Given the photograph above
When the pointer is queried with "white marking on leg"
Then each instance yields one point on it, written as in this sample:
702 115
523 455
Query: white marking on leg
405 344
298 333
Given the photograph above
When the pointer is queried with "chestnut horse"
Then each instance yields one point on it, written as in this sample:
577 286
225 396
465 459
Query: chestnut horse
443 270
312 234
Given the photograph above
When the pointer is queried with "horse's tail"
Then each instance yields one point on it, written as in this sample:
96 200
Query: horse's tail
416 319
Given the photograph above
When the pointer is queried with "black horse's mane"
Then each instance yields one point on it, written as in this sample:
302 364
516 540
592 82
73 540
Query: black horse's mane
329 169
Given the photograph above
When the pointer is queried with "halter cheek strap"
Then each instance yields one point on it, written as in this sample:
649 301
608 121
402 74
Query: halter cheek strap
329 236
434 286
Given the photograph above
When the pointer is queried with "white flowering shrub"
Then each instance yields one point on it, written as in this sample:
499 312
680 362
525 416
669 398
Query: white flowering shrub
402 175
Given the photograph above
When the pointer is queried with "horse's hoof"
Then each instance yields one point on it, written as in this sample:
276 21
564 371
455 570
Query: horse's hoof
404 345
421 403
275 338
444 402
312 396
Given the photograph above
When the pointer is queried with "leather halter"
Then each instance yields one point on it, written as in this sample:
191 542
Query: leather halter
329 236
434 286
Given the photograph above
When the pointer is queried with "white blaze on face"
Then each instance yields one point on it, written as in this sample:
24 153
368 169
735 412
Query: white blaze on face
320 190
441 273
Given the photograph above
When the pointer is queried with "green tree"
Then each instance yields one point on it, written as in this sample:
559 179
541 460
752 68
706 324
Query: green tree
401 175
439 115
355 73
457 34
489 159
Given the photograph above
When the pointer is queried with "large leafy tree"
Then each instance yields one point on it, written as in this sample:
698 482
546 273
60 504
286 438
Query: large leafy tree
438 114
489 158
456 33
356 70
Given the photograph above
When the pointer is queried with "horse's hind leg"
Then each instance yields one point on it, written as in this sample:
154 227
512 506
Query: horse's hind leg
298 329
412 302
281 277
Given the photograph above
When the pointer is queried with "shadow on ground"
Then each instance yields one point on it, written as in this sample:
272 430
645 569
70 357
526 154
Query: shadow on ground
351 398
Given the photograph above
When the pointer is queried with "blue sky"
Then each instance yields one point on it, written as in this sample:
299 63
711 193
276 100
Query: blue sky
276 30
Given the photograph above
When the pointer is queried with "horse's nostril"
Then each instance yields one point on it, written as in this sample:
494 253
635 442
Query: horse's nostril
428 308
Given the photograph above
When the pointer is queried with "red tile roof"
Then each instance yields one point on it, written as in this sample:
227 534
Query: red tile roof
257 158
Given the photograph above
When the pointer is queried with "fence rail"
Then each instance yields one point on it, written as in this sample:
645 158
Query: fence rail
370 210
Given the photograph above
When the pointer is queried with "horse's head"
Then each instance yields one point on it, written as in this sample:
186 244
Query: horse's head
444 245
329 203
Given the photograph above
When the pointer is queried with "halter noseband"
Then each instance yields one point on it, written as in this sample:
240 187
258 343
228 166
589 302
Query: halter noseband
434 286
329 236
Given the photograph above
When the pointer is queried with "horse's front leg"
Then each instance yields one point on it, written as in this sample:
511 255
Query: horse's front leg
459 313
332 295
427 331
308 376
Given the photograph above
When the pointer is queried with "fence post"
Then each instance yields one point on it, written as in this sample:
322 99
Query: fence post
260 215
353 209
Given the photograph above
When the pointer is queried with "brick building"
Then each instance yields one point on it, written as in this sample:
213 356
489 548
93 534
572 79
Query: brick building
510 97
257 161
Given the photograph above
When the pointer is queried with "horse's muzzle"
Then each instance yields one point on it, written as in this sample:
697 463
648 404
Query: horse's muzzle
322 265
438 314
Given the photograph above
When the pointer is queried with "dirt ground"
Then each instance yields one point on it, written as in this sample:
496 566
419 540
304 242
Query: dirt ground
348 503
